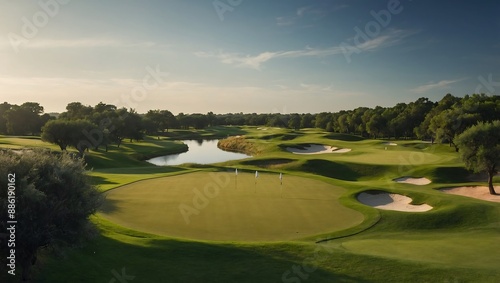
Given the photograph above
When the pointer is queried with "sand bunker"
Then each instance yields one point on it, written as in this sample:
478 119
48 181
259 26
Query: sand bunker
413 181
479 192
390 143
388 201
312 149
342 150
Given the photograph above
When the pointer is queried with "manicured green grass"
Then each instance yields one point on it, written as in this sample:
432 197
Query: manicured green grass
470 249
224 207
454 242
150 258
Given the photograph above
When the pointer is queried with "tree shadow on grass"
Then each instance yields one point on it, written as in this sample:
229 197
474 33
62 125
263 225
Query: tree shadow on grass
142 170
98 181
343 171
343 137
269 162
178 261
108 205
450 175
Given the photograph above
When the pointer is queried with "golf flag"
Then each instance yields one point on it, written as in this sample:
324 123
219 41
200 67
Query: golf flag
236 172
281 176
256 174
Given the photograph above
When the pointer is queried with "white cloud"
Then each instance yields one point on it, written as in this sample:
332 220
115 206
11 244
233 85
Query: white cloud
256 61
430 86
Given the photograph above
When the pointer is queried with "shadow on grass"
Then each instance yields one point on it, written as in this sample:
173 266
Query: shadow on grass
343 137
448 175
343 171
98 180
142 170
283 137
177 261
267 163
108 206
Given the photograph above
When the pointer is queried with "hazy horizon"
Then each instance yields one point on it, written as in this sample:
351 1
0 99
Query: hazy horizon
292 56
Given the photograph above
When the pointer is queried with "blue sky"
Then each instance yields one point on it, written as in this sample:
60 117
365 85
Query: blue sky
246 56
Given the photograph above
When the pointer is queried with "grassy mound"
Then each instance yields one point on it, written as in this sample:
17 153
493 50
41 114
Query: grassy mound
240 144
342 170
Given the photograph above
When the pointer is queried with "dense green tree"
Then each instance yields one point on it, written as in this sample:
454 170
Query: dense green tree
375 126
55 199
321 120
294 122
79 134
480 149
306 121
24 119
450 123
277 121
342 122
76 110
4 107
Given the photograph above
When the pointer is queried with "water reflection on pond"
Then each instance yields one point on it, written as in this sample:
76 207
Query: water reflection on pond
201 152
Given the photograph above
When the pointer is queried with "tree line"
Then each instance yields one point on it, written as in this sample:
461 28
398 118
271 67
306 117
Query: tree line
83 126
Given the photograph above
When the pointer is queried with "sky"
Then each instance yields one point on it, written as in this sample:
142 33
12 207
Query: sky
230 56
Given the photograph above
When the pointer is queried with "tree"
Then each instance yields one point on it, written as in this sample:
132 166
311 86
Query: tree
76 110
306 121
480 149
450 123
321 120
24 119
294 122
75 133
133 128
54 198
342 122
375 125
4 107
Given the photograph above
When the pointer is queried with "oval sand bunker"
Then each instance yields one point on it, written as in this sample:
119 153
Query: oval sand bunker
413 181
342 150
388 201
317 149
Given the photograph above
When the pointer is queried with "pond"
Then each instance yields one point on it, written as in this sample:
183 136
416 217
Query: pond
201 152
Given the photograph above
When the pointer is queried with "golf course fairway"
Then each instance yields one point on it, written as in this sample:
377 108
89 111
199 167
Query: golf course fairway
224 207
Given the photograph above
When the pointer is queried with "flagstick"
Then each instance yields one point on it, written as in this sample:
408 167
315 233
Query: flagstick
236 178
281 185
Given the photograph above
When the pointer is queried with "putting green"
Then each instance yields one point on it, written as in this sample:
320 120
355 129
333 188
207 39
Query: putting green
223 207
